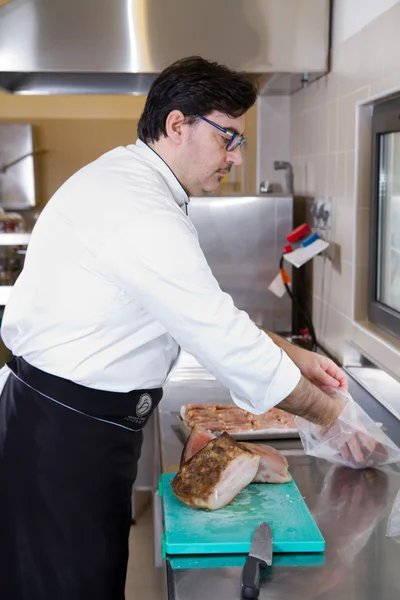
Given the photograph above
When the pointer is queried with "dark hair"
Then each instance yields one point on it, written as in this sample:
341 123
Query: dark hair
194 85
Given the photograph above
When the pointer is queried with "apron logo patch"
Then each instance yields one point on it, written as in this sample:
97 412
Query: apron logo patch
144 405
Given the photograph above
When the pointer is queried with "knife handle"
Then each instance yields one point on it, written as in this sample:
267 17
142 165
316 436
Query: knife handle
251 577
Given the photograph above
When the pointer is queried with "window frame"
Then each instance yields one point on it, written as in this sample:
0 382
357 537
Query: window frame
385 119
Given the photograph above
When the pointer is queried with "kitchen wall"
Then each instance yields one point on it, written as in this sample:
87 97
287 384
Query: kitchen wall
73 143
332 157
273 138
74 129
351 17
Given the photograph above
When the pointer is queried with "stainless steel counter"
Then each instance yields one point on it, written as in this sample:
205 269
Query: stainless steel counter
350 507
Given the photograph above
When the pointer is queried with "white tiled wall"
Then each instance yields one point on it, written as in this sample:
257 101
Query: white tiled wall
330 159
352 15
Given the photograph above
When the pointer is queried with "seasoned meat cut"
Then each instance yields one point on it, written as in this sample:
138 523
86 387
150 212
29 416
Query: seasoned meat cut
273 467
197 439
216 474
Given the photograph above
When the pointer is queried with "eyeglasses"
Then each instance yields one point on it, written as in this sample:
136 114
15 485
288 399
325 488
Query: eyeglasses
235 140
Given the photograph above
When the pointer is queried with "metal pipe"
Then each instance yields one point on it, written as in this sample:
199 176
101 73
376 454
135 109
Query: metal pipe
287 167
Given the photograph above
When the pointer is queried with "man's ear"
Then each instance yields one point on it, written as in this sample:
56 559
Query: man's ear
176 126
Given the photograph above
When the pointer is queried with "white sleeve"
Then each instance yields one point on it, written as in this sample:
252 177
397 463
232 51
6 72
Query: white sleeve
158 260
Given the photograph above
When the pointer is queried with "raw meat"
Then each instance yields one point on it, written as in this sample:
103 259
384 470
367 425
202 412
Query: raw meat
216 474
273 467
233 414
193 411
226 417
274 418
237 427
200 407
197 439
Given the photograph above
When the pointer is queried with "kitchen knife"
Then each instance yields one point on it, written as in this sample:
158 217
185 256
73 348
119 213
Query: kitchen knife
259 557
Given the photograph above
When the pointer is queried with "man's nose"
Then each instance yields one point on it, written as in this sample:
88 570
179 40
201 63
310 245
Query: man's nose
234 157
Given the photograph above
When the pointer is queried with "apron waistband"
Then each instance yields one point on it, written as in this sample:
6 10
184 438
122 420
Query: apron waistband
97 403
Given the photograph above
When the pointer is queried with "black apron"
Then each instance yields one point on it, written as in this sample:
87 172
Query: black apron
68 460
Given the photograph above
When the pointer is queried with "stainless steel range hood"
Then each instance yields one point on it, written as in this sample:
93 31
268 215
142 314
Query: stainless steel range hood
119 46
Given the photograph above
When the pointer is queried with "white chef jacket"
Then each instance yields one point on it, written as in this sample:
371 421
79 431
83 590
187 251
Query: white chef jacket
115 282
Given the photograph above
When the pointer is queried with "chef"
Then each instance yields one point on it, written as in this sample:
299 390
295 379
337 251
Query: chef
114 284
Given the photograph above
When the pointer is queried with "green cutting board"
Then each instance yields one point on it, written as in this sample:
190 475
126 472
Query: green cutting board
230 529
214 561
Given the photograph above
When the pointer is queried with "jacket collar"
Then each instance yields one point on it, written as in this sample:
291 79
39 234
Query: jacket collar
174 185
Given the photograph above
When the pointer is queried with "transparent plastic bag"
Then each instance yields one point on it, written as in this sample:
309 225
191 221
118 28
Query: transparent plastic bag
393 528
355 440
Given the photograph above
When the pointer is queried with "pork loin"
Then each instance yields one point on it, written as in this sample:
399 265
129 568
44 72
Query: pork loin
197 439
273 467
216 474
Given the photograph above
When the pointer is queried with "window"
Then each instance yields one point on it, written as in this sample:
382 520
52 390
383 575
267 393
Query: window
384 302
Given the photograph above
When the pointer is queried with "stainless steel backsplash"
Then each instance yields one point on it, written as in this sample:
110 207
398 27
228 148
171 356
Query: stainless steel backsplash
242 238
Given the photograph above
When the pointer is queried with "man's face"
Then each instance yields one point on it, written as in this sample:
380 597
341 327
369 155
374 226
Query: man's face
204 158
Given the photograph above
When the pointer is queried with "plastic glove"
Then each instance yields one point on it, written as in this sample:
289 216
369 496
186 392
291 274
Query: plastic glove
355 440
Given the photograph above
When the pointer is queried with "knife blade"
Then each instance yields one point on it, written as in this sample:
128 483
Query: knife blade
260 556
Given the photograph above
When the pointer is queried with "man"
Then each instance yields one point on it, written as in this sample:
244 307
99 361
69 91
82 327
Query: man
114 283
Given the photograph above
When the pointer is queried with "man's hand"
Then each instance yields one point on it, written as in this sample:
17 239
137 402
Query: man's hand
320 370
